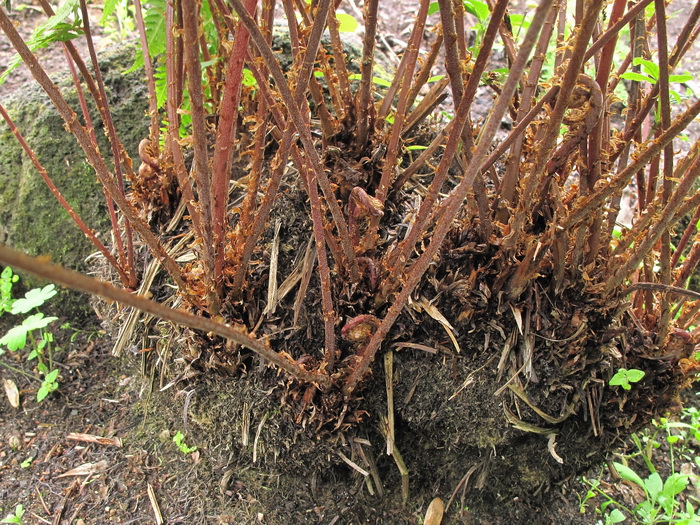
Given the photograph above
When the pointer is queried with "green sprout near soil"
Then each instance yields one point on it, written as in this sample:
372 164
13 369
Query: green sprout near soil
33 332
178 439
16 517
665 499
624 378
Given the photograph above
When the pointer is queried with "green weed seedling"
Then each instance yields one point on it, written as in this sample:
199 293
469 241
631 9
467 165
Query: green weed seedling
33 332
16 517
624 378
662 497
7 279
651 75
661 502
178 439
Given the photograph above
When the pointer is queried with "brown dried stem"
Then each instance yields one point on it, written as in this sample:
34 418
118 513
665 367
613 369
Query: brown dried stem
200 165
403 80
225 138
150 79
426 68
92 155
617 182
41 268
174 90
452 63
342 74
114 221
63 202
117 147
293 104
510 178
454 201
548 142
667 189
364 97
675 207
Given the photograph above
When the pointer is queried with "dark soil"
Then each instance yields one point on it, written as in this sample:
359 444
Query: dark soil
250 453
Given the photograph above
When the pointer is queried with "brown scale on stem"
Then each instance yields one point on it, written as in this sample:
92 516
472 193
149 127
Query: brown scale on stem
359 330
361 206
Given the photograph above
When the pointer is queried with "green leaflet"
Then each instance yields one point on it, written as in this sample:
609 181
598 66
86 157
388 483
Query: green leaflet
56 29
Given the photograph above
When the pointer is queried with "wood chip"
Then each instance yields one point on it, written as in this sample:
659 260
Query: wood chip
272 279
435 511
352 464
98 440
389 376
11 392
154 505
86 469
551 447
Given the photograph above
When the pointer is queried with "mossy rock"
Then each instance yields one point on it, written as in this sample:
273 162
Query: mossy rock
31 219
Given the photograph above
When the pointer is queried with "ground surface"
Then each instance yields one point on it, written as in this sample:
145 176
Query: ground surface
219 483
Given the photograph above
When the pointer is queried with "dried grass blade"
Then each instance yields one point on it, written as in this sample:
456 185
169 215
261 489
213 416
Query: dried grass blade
98 440
272 295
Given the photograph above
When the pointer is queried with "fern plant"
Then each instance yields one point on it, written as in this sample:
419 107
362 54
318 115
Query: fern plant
508 238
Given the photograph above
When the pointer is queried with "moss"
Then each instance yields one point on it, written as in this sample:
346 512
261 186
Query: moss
31 219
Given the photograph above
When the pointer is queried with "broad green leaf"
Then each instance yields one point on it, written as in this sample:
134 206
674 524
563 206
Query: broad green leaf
628 474
376 80
634 375
654 486
37 321
519 21
650 10
616 516
675 484
48 386
6 275
649 67
15 338
620 379
16 517
249 79
434 79
680 78
631 75
477 8
52 376
346 23
33 299
433 8
178 439
7 279
676 96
